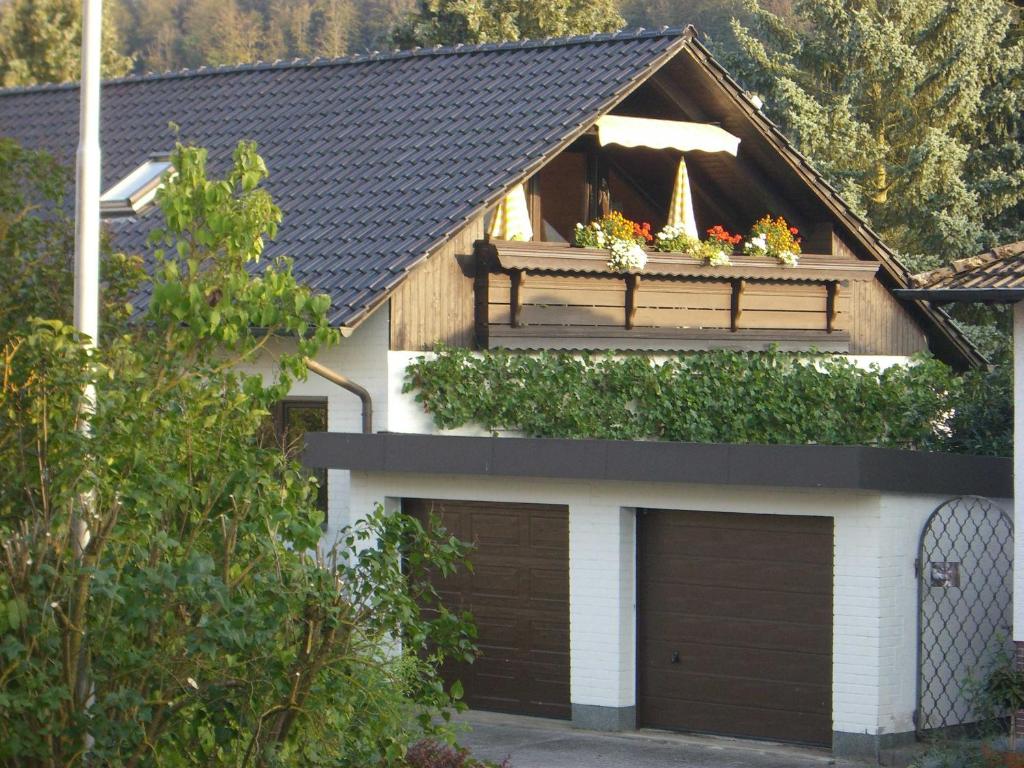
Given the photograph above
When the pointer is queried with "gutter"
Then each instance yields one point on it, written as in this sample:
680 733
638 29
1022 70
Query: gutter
347 384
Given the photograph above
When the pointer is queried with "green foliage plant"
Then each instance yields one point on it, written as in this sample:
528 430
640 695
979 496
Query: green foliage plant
719 396
203 623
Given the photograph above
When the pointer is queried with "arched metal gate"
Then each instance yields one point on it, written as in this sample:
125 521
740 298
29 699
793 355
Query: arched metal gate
965 592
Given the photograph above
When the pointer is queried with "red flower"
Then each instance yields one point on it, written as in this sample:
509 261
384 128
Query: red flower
793 231
718 232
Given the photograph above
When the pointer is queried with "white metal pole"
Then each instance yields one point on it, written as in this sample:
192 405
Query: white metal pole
87 187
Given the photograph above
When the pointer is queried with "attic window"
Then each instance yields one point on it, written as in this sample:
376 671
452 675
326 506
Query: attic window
134 194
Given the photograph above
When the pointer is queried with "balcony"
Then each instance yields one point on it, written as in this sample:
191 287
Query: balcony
537 295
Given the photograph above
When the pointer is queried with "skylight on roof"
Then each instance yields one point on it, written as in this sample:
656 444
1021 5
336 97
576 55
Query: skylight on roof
135 192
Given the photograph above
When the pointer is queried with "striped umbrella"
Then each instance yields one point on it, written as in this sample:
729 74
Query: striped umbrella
511 219
680 208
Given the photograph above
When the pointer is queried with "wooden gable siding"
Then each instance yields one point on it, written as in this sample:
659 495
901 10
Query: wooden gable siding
435 303
879 324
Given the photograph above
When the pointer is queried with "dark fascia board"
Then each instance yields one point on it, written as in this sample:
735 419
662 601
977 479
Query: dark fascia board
780 466
962 295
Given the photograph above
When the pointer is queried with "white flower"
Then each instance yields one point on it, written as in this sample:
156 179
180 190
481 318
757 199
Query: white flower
788 258
626 257
757 245
193 683
719 259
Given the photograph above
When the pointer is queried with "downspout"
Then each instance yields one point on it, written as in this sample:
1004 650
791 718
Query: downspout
346 383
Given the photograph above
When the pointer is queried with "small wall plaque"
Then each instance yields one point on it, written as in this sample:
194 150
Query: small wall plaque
944 575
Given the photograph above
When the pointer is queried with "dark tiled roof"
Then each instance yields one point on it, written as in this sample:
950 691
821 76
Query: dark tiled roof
375 160
995 275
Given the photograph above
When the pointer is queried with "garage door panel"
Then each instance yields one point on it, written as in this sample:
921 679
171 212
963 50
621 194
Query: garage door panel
766 665
746 602
697 518
723 718
518 593
739 632
729 602
755 546
493 529
548 532
702 571
797 698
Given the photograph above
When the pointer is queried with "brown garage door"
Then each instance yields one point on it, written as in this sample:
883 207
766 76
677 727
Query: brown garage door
518 593
734 624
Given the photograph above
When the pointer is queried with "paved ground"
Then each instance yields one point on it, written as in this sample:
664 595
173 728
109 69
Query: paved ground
535 743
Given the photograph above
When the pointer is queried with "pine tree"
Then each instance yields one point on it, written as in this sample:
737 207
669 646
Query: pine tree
41 42
912 108
447 22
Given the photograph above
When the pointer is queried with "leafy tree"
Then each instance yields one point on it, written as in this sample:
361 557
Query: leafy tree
448 22
37 246
912 109
41 42
202 624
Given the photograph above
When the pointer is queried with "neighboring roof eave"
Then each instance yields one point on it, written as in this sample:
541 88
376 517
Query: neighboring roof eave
856 225
993 276
962 295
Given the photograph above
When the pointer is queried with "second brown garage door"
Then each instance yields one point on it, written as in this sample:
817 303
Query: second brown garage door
734 624
518 593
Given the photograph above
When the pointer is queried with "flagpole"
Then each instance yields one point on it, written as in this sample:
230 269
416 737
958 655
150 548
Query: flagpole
87 290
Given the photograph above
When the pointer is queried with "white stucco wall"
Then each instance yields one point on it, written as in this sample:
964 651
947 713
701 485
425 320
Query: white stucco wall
875 603
362 357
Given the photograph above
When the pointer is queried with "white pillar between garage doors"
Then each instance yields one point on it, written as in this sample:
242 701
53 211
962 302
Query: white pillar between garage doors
602 616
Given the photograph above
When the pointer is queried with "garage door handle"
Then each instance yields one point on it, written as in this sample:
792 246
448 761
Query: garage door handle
675 657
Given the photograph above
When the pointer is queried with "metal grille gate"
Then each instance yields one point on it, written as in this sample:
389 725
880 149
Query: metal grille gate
964 587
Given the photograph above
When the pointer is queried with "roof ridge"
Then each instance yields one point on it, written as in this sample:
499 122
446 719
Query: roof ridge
371 57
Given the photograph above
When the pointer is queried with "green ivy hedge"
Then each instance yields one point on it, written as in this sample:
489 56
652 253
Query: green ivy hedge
718 397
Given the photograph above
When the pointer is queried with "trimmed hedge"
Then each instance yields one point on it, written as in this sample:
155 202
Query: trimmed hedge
718 397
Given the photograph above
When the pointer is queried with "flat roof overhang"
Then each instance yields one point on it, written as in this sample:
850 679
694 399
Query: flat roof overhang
781 466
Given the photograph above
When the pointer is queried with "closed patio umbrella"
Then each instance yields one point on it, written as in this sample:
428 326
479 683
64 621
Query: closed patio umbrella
511 219
680 207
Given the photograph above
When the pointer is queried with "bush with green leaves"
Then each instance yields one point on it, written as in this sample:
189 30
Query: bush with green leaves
202 624
717 397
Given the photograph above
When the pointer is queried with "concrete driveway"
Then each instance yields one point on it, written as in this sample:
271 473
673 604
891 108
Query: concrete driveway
536 743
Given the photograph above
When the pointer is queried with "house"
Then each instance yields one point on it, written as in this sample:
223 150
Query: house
793 565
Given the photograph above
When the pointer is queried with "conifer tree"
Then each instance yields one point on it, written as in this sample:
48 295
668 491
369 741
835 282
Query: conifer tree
912 108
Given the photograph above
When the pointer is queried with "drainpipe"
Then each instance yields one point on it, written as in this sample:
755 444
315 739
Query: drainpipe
346 383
